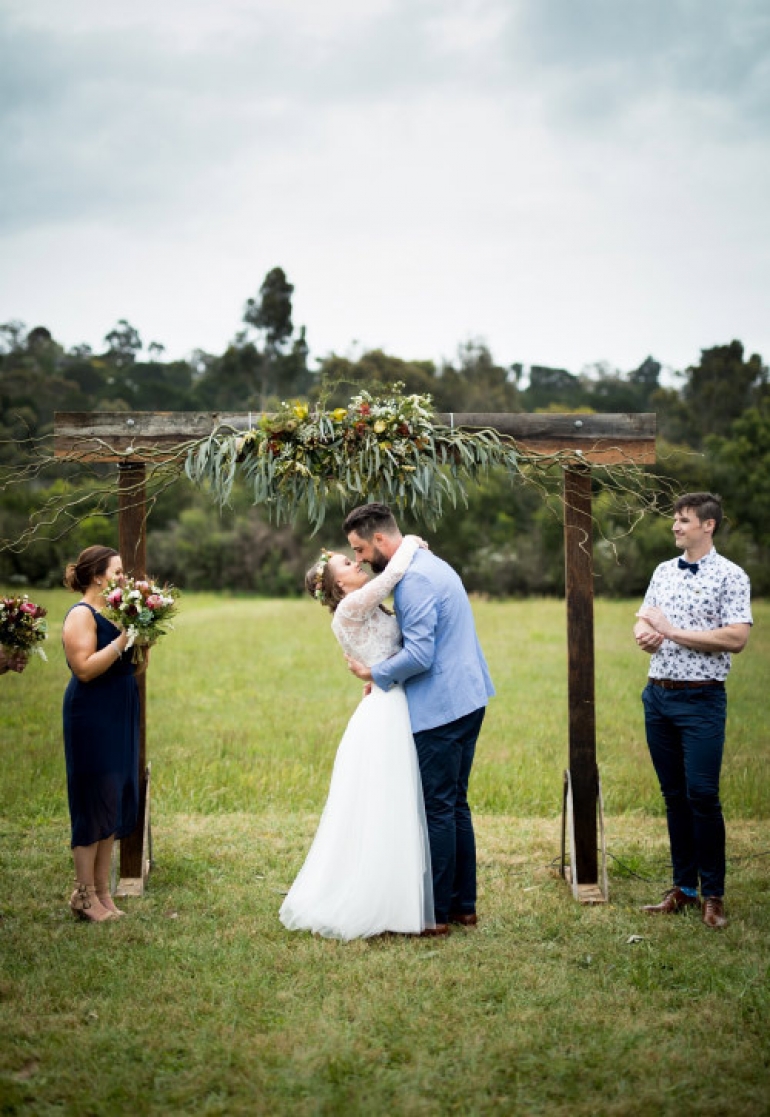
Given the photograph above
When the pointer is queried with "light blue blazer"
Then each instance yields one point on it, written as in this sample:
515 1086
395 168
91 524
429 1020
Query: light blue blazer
441 664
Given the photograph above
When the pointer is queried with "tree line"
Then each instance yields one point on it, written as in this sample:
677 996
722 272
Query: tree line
713 427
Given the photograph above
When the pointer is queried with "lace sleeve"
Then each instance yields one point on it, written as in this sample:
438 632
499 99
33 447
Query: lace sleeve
361 603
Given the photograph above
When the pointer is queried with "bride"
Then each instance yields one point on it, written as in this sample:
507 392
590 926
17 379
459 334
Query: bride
368 870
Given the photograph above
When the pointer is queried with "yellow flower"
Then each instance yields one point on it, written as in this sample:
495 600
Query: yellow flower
380 426
301 410
339 414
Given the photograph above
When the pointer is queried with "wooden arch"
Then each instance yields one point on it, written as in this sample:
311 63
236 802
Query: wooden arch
577 441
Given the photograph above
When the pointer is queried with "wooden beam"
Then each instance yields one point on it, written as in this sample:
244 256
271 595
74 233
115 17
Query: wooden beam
150 435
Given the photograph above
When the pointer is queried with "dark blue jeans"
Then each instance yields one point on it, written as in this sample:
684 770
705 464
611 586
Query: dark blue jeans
686 736
445 755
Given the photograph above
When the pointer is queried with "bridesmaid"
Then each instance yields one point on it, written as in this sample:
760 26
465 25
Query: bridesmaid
101 733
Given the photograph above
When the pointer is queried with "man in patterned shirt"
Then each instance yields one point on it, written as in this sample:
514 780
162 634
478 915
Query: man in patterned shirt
696 612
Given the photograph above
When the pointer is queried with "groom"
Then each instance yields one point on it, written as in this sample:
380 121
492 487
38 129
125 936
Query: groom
447 684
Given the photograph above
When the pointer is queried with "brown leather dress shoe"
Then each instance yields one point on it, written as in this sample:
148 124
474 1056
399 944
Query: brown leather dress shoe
464 918
714 912
673 901
439 929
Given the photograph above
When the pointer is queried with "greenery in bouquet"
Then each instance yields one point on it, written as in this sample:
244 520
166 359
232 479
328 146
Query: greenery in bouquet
23 627
375 448
143 608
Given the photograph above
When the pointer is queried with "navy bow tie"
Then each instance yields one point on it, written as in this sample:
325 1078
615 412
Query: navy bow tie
684 565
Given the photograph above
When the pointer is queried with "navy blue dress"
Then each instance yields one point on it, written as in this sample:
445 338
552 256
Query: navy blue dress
101 746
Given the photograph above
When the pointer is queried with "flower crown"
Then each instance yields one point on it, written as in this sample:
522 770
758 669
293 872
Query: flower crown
318 593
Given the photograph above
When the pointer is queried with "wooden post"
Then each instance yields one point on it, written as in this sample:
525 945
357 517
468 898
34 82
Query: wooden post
578 558
132 533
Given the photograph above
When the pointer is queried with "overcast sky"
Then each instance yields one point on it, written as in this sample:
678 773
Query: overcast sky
571 180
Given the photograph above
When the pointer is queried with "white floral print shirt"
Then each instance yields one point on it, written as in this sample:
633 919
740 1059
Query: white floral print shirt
717 595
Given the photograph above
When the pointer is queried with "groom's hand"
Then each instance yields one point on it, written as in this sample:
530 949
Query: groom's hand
359 669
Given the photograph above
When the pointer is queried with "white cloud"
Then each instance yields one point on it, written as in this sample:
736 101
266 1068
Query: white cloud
576 180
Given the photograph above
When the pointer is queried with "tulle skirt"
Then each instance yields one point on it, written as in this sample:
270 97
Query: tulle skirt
368 870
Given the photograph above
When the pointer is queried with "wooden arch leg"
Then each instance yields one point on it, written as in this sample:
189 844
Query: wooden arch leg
132 523
583 776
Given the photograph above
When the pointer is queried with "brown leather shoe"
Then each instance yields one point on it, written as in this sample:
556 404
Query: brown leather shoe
714 912
673 901
464 918
439 929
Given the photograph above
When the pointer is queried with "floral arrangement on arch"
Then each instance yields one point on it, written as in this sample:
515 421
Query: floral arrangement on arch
376 448
23 628
142 608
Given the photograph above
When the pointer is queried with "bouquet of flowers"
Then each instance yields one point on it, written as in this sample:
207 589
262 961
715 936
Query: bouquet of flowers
22 627
143 608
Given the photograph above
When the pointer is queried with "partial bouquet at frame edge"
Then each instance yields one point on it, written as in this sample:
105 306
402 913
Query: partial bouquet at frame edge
23 628
143 608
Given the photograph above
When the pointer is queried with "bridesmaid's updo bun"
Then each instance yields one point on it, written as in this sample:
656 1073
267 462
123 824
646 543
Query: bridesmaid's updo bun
89 565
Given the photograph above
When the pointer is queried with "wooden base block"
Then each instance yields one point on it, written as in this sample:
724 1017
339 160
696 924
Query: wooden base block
133 885
130 886
590 894
585 892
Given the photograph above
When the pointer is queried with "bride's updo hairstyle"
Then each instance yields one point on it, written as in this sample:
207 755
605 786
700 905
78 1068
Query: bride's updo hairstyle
320 584
89 565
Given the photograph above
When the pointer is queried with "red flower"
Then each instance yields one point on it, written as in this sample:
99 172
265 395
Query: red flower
365 409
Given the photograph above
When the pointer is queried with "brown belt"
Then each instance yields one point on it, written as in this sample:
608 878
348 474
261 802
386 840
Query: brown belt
682 684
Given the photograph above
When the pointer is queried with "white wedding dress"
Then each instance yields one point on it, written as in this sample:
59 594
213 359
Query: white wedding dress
368 870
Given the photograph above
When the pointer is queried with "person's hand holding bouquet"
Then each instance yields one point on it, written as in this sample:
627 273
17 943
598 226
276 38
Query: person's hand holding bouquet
23 628
143 609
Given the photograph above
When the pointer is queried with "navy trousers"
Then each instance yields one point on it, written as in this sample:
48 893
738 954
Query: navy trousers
686 736
445 755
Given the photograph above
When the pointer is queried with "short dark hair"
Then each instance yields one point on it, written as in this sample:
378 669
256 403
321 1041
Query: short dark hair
367 519
706 506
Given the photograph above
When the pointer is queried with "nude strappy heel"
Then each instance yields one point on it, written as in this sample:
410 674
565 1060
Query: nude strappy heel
82 904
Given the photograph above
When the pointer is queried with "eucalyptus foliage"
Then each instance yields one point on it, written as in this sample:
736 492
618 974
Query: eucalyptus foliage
386 449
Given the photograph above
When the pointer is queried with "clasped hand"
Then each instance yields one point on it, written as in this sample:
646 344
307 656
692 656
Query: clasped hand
654 629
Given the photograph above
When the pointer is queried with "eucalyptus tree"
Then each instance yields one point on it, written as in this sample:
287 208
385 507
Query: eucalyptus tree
279 367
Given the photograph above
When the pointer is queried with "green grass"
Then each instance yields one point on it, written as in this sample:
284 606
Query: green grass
201 1003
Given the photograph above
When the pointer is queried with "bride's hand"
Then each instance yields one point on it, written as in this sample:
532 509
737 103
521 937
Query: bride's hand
360 670
420 542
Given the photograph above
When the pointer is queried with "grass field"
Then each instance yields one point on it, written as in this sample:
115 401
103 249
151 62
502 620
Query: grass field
201 1003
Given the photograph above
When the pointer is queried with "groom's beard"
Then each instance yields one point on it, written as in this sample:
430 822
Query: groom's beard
378 562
